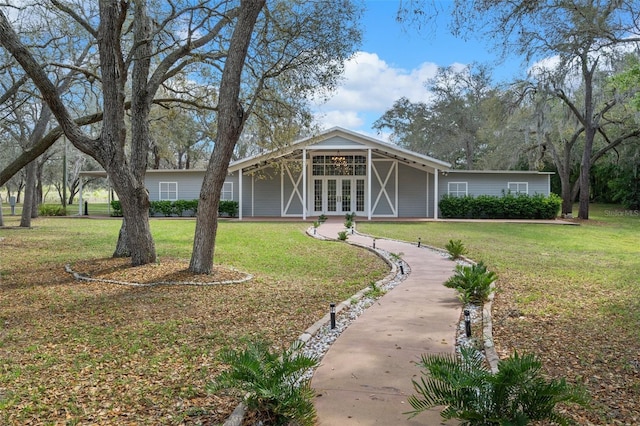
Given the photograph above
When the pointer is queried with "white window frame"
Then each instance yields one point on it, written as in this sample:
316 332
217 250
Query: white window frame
517 189
165 191
227 192
457 192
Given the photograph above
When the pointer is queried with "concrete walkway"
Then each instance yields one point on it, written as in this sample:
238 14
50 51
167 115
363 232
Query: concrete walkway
365 376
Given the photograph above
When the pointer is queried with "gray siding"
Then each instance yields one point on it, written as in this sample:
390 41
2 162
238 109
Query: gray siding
337 141
247 183
488 183
233 178
412 192
266 193
189 183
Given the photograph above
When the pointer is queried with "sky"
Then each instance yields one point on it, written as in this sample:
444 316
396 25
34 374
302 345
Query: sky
393 63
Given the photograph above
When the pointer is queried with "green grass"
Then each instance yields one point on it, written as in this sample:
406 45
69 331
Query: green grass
95 353
565 292
80 353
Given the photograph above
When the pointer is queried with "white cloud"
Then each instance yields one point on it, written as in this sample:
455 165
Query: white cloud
370 87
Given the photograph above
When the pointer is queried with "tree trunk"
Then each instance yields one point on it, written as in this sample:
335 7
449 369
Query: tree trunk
585 175
590 127
135 234
122 246
230 122
29 195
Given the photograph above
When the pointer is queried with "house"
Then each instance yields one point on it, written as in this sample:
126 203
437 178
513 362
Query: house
339 172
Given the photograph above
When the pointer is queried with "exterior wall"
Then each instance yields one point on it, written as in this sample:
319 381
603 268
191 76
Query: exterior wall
397 189
189 183
494 183
412 192
266 192
247 191
233 178
337 141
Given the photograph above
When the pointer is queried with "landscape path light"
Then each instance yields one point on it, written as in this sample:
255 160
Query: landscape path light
332 311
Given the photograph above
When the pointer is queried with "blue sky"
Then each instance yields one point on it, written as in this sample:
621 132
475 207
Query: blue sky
393 62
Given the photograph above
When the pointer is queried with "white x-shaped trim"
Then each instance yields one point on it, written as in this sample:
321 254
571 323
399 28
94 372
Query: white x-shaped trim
383 186
296 190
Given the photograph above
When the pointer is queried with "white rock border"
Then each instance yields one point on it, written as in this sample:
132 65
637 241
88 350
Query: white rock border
81 277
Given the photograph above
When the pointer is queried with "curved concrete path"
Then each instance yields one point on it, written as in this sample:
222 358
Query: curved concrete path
365 376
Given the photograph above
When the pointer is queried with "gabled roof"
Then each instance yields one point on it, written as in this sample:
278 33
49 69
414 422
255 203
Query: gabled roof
328 140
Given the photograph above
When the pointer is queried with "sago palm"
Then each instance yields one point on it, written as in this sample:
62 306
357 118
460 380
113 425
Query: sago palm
516 395
272 383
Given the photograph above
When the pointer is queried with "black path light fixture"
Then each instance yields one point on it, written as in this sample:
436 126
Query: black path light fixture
467 322
401 267
374 243
419 241
332 311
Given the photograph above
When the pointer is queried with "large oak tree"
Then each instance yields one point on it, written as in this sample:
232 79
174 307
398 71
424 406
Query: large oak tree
296 48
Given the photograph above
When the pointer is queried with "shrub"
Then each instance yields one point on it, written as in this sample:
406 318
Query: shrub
348 224
508 206
322 218
228 208
163 207
516 395
51 210
455 248
181 206
350 216
116 208
342 235
473 283
272 383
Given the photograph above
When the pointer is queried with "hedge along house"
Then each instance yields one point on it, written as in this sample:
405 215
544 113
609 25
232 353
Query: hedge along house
339 172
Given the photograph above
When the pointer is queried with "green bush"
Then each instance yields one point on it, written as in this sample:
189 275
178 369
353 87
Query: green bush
161 207
272 383
116 208
508 206
517 394
455 248
342 235
473 283
228 208
181 206
51 210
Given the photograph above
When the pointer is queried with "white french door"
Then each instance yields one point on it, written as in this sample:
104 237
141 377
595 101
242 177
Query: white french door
338 195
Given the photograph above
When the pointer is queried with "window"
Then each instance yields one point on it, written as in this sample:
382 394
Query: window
227 192
168 191
457 189
518 187
339 165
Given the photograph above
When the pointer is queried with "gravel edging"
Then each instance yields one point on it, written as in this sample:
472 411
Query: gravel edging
318 337
483 315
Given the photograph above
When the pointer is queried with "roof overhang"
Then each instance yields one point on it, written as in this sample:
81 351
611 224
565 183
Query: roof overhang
357 141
